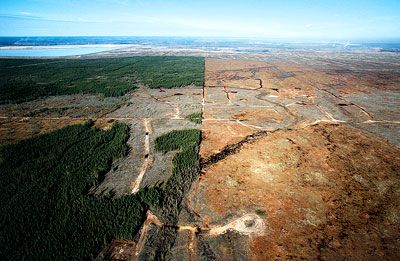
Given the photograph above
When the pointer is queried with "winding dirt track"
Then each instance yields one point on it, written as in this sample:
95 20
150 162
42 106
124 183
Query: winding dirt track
249 225
145 228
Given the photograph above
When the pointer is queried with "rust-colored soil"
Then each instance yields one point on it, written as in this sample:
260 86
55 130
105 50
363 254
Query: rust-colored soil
118 250
214 140
19 129
314 152
236 73
327 191
292 78
104 123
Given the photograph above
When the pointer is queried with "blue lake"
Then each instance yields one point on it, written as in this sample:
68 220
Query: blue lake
52 52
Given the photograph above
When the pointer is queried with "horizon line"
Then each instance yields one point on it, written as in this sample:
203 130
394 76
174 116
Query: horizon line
396 38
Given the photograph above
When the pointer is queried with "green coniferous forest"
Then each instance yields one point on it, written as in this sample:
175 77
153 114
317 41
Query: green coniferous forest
28 79
47 213
47 210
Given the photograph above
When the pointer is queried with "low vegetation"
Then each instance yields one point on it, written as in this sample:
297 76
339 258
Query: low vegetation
47 213
195 117
28 79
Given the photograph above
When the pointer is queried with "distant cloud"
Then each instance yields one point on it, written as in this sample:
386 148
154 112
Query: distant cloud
29 16
25 13
21 15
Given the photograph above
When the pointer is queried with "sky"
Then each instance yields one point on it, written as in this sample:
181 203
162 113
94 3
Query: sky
289 19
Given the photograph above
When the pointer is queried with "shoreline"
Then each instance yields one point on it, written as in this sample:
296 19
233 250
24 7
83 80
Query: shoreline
64 46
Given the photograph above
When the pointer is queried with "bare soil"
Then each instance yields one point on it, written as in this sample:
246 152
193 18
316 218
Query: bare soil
313 153
326 191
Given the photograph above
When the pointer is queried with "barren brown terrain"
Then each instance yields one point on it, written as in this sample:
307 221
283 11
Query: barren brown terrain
308 146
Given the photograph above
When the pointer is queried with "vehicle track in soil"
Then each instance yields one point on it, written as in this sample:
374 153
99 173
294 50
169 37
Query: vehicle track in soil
135 185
